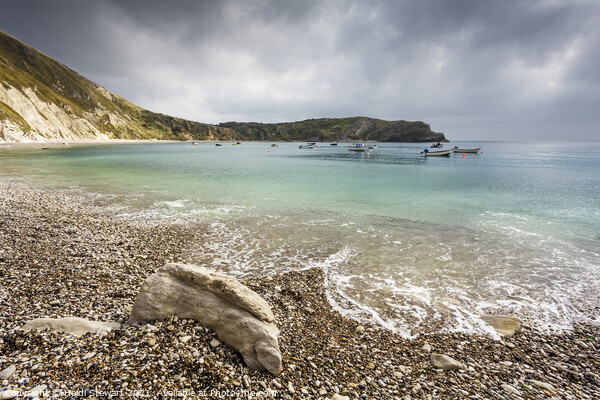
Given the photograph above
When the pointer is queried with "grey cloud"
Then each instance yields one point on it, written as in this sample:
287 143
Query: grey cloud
474 69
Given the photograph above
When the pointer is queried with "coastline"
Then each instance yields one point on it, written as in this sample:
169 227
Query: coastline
66 142
56 245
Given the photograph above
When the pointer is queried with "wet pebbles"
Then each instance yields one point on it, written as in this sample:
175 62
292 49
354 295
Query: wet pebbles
63 255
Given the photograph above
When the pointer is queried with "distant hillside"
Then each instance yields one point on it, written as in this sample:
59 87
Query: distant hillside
338 129
41 99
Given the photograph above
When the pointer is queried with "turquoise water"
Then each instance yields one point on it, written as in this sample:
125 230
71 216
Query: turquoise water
411 242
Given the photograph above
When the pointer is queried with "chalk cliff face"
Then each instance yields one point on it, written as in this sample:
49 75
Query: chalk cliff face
41 99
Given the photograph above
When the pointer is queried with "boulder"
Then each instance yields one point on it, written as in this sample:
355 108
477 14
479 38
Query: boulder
241 318
73 325
505 325
445 362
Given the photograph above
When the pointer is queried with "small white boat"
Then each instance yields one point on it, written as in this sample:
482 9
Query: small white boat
457 149
445 153
372 146
274 145
357 147
306 146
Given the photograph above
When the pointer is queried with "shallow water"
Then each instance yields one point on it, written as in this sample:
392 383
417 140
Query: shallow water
408 241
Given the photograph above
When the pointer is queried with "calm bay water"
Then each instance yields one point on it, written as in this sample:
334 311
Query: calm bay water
409 241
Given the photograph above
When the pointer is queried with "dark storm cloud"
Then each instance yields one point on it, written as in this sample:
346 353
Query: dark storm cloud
471 68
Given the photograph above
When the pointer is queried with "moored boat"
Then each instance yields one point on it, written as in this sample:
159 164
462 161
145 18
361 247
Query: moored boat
274 145
333 144
306 146
357 147
437 145
217 144
457 149
445 153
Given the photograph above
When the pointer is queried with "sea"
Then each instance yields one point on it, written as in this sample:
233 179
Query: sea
411 243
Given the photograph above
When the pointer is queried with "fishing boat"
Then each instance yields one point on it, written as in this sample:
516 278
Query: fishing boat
306 146
333 144
357 147
445 153
274 145
466 150
218 144
372 146
436 145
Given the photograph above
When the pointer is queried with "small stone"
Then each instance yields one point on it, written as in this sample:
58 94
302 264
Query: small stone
185 339
427 347
291 388
214 343
506 325
337 396
8 394
7 372
151 342
542 385
510 390
246 380
359 330
416 389
404 369
445 362
308 310
370 366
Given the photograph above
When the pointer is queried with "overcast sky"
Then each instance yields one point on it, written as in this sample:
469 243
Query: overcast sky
473 69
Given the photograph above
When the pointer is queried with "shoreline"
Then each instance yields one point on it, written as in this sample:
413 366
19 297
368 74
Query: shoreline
64 255
79 142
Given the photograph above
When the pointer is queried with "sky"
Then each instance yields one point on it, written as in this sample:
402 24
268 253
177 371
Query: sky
472 69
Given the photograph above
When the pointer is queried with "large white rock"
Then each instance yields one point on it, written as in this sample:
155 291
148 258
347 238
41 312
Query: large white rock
241 318
73 325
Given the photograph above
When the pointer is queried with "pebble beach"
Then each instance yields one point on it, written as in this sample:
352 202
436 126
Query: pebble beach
64 254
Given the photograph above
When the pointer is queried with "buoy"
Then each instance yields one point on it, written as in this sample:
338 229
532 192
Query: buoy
464 155
269 151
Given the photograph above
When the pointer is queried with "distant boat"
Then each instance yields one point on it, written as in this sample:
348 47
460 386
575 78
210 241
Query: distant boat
436 145
445 153
306 146
357 147
274 145
218 144
195 143
466 150
312 143
372 146
333 144
238 142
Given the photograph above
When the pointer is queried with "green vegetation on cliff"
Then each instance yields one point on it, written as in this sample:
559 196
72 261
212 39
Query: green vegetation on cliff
338 129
